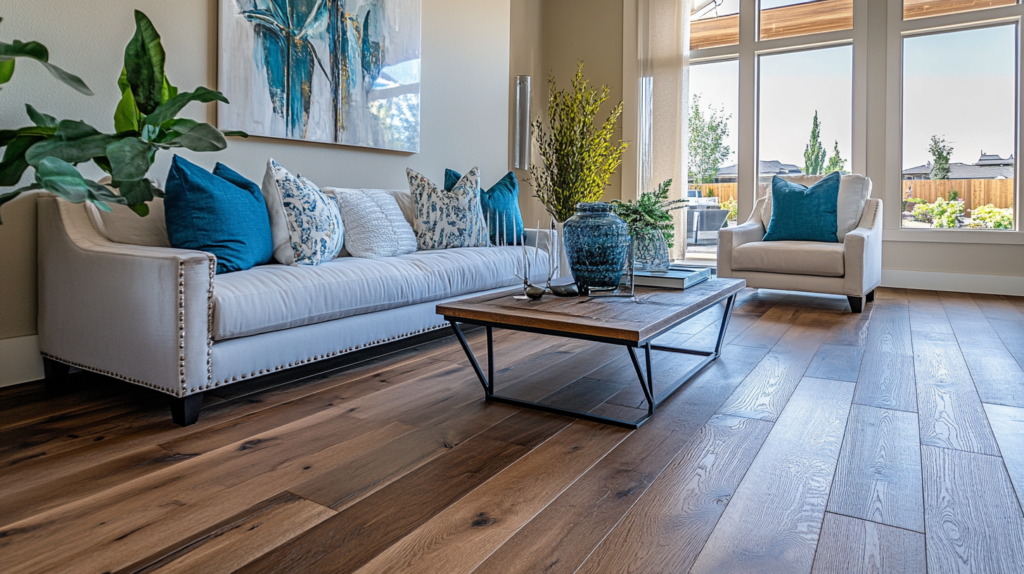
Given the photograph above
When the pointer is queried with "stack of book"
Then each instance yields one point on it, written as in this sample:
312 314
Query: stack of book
677 277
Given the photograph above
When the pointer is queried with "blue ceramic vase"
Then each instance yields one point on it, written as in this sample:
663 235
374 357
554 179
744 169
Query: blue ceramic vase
596 245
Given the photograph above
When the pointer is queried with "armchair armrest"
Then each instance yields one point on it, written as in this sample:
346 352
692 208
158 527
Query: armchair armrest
140 314
863 252
732 237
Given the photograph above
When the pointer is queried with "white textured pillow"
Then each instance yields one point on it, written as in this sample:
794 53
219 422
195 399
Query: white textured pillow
448 219
854 191
374 225
305 223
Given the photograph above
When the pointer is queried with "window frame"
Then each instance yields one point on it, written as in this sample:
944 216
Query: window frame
748 51
897 29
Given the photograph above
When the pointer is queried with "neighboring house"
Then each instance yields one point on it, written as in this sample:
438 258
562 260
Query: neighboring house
728 173
987 167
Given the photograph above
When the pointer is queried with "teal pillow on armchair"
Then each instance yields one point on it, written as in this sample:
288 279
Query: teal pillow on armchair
802 213
500 205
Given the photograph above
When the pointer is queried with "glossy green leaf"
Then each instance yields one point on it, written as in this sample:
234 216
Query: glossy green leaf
74 130
168 91
61 178
171 107
235 133
144 63
195 136
71 151
126 115
14 164
130 159
6 70
40 119
136 193
39 53
7 136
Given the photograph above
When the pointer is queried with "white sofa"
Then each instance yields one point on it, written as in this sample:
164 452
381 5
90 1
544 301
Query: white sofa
115 299
852 267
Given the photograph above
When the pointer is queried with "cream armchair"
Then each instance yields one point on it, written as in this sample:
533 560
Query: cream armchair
852 267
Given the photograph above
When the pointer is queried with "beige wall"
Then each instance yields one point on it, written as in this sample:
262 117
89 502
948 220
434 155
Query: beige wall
464 104
550 37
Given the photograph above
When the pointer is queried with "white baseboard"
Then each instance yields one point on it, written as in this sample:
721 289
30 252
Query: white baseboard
961 282
20 361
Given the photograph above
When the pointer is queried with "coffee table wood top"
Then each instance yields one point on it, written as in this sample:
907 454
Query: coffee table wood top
654 312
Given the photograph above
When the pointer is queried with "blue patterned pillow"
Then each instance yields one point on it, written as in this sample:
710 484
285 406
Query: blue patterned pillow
448 219
500 205
304 222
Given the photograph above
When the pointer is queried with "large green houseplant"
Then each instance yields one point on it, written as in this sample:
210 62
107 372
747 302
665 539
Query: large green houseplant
144 122
578 153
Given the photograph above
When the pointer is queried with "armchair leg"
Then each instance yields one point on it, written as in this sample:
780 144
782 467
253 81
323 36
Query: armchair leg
871 296
856 304
185 410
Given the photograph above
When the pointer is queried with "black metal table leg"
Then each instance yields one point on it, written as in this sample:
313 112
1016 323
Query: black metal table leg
472 358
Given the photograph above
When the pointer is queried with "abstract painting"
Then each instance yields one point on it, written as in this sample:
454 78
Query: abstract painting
336 71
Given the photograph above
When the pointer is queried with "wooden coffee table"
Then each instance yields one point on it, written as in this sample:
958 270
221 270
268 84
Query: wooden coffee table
630 323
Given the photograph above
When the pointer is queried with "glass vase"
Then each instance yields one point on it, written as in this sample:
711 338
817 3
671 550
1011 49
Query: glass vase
651 252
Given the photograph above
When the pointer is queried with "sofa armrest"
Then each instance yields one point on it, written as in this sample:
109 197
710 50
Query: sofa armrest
863 252
140 314
730 238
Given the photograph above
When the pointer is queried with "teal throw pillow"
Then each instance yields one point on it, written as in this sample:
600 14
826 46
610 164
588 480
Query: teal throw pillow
220 213
802 213
500 205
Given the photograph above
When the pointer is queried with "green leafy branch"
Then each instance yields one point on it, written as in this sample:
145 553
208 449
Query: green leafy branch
144 121
651 212
579 156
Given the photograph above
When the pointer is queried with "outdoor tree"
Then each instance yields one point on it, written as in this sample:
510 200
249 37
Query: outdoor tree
836 162
941 152
708 150
814 153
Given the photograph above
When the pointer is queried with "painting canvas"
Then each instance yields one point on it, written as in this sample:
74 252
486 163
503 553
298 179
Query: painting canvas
337 71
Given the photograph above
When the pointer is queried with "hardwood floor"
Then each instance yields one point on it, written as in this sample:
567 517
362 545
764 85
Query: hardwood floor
821 441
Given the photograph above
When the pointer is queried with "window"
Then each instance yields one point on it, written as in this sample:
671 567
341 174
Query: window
786 18
805 113
715 23
959 136
714 102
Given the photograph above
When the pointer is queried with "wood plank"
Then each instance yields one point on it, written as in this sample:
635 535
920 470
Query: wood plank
950 412
239 539
854 545
996 307
561 537
850 329
770 327
887 372
997 376
879 472
669 525
465 533
1011 333
772 522
806 18
836 362
356 535
766 390
926 312
974 521
119 526
925 8
708 337
1008 426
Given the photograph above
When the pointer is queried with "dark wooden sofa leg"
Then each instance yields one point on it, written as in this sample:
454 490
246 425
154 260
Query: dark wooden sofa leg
856 303
871 297
185 411
56 374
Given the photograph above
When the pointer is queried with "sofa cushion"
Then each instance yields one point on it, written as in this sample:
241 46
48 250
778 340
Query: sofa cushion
792 257
801 213
374 225
448 219
273 297
305 223
854 191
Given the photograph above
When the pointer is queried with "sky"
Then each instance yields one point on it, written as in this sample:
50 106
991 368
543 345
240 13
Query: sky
957 85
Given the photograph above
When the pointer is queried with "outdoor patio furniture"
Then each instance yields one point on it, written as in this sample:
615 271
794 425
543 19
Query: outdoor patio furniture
703 223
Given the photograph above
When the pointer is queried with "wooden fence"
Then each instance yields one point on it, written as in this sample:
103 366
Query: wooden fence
723 191
974 192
